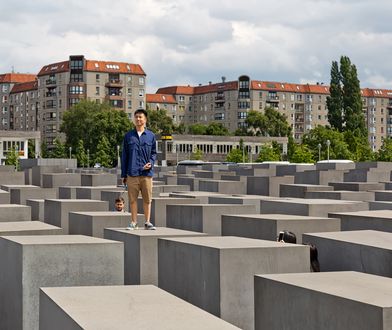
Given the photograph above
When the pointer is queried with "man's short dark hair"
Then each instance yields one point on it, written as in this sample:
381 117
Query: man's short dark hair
144 112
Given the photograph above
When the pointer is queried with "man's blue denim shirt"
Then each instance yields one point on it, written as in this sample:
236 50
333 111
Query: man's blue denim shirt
137 152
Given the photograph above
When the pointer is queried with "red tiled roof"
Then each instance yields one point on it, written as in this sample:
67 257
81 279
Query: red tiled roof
288 87
94 66
376 92
160 98
113 67
176 90
219 87
54 68
23 87
16 77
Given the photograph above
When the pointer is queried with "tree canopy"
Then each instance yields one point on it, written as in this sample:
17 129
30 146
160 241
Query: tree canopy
269 123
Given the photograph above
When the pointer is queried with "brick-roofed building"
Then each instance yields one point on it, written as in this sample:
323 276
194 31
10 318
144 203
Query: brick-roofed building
7 82
165 102
63 84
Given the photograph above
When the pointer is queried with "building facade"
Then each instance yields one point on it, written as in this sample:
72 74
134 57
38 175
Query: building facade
165 102
7 82
304 105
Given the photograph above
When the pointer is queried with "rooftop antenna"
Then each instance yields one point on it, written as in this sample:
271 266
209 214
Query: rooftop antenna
12 69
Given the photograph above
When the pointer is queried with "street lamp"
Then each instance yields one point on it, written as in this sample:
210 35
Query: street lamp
319 148
70 152
118 156
88 158
328 144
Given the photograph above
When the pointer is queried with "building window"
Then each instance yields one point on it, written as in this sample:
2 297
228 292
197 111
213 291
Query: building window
129 91
96 90
73 102
141 81
243 105
242 115
129 104
141 92
76 64
76 77
141 104
244 95
97 76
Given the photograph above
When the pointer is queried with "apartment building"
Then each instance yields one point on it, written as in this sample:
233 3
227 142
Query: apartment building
62 85
304 105
165 102
7 82
24 106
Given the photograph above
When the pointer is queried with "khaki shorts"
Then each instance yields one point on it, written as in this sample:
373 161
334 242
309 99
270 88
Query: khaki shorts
142 184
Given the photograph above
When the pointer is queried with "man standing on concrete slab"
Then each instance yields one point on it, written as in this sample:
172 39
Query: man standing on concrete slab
137 167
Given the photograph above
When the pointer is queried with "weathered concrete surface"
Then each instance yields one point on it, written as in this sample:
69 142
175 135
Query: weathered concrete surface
38 171
5 197
57 210
268 226
365 220
28 228
12 178
14 212
55 180
383 195
238 199
222 186
203 196
67 192
267 185
141 251
102 179
109 307
367 175
336 300
94 192
366 251
380 205
300 190
31 262
19 195
357 186
342 195
216 273
311 207
203 218
319 177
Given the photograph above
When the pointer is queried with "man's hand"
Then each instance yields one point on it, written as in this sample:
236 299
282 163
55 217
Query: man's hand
147 166
124 181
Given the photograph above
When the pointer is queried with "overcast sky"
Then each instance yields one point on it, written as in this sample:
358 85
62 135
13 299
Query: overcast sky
191 42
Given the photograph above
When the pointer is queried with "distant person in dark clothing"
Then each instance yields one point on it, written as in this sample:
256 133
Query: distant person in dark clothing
314 263
286 236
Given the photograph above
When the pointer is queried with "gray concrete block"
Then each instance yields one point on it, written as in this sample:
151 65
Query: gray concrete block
192 182
291 169
103 179
268 186
57 210
37 171
342 195
4 197
28 176
364 175
94 192
37 209
335 300
203 218
383 195
171 188
31 262
300 190
158 207
141 251
334 166
19 195
223 187
365 220
67 192
310 207
203 196
242 200
109 307
216 273
319 177
386 166
380 205
357 186
53 180
110 196
14 212
366 251
93 223
28 228
12 178
7 168
268 226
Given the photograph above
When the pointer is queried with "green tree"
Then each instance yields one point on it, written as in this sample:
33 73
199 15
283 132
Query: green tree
267 153
159 122
179 129
384 154
216 129
319 135
359 146
81 154
197 129
59 150
12 158
31 149
256 123
335 99
302 154
197 155
44 150
89 122
102 154
269 123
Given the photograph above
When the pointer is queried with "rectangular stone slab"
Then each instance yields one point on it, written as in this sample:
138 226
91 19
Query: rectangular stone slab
366 251
28 228
365 220
300 190
31 262
37 209
109 307
14 212
216 273
268 226
141 251
342 195
204 218
331 300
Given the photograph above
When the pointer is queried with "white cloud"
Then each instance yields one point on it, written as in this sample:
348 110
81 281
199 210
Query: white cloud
190 42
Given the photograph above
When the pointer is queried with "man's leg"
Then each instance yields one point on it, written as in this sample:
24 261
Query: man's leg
146 189
133 193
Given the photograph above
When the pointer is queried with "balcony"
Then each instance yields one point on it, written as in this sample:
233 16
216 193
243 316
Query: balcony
50 94
273 98
389 105
49 82
114 97
219 98
114 83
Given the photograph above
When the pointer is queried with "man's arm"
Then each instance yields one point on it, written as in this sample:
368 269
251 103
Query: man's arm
124 161
153 155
